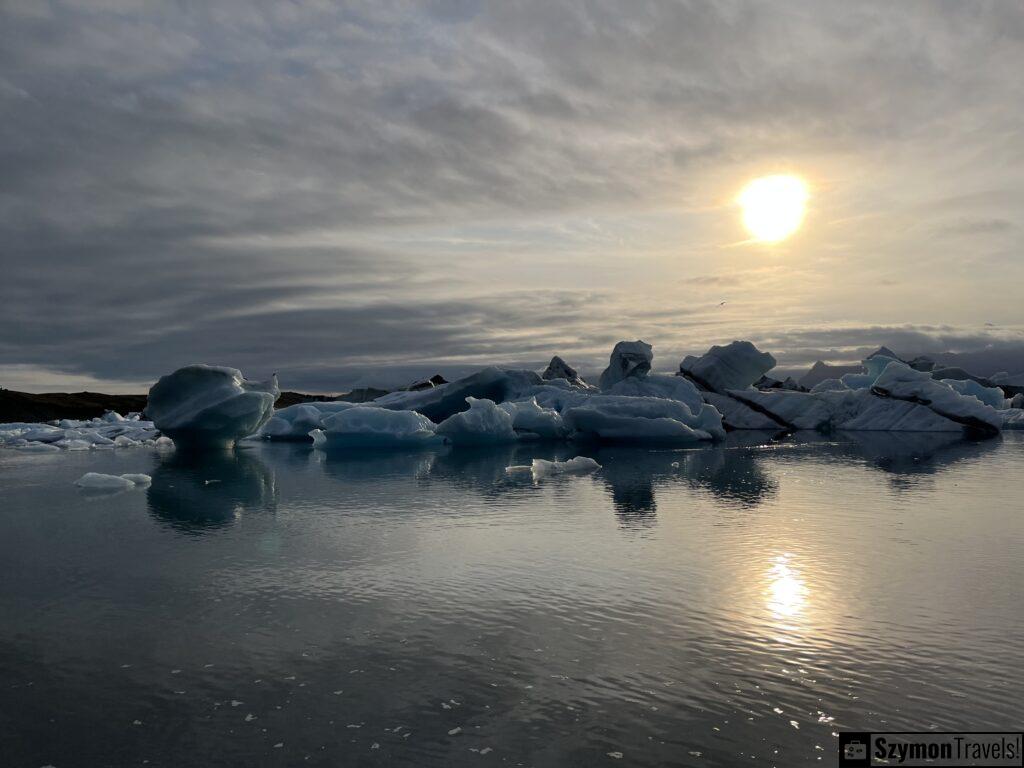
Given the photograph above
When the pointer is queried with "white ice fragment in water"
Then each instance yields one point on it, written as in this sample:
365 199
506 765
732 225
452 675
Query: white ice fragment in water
454 731
542 467
112 482
106 482
615 755
250 717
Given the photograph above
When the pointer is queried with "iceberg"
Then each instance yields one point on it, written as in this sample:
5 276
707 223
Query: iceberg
440 402
628 358
849 409
559 369
296 421
366 426
530 418
900 381
484 423
542 467
619 418
209 405
735 366
992 396
738 415
99 481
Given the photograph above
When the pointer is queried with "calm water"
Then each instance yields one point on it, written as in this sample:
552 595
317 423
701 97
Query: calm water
722 606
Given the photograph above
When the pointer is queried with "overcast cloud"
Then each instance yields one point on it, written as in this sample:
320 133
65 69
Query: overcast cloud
350 193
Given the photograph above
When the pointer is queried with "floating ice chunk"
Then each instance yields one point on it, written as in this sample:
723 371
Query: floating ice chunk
484 422
528 416
203 404
643 419
370 427
437 404
628 358
735 366
902 382
296 421
576 465
559 369
98 481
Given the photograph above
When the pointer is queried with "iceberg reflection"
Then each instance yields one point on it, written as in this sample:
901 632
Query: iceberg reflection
197 491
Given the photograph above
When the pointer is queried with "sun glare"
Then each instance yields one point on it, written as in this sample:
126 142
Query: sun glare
773 207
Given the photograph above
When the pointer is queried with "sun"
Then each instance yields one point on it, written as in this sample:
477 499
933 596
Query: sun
773 207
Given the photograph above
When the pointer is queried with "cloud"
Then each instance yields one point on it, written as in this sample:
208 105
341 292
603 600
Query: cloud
323 187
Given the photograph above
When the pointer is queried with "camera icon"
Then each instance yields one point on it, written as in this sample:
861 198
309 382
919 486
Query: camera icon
855 750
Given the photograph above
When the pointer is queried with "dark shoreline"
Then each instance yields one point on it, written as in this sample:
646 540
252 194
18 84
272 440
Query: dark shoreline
53 406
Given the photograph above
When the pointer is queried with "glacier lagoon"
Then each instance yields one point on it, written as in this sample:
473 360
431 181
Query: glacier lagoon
276 604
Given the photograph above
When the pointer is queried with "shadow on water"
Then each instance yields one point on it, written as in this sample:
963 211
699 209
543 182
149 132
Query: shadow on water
195 492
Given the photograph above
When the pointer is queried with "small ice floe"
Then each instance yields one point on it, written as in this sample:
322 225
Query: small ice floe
615 755
101 482
542 468
454 731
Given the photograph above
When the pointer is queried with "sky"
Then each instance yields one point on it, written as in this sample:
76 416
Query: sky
354 194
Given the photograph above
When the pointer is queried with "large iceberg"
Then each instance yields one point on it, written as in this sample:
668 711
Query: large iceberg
897 398
628 358
437 404
902 382
735 366
210 405
366 426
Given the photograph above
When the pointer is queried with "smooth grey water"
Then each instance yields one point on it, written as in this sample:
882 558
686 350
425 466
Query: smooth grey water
722 606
